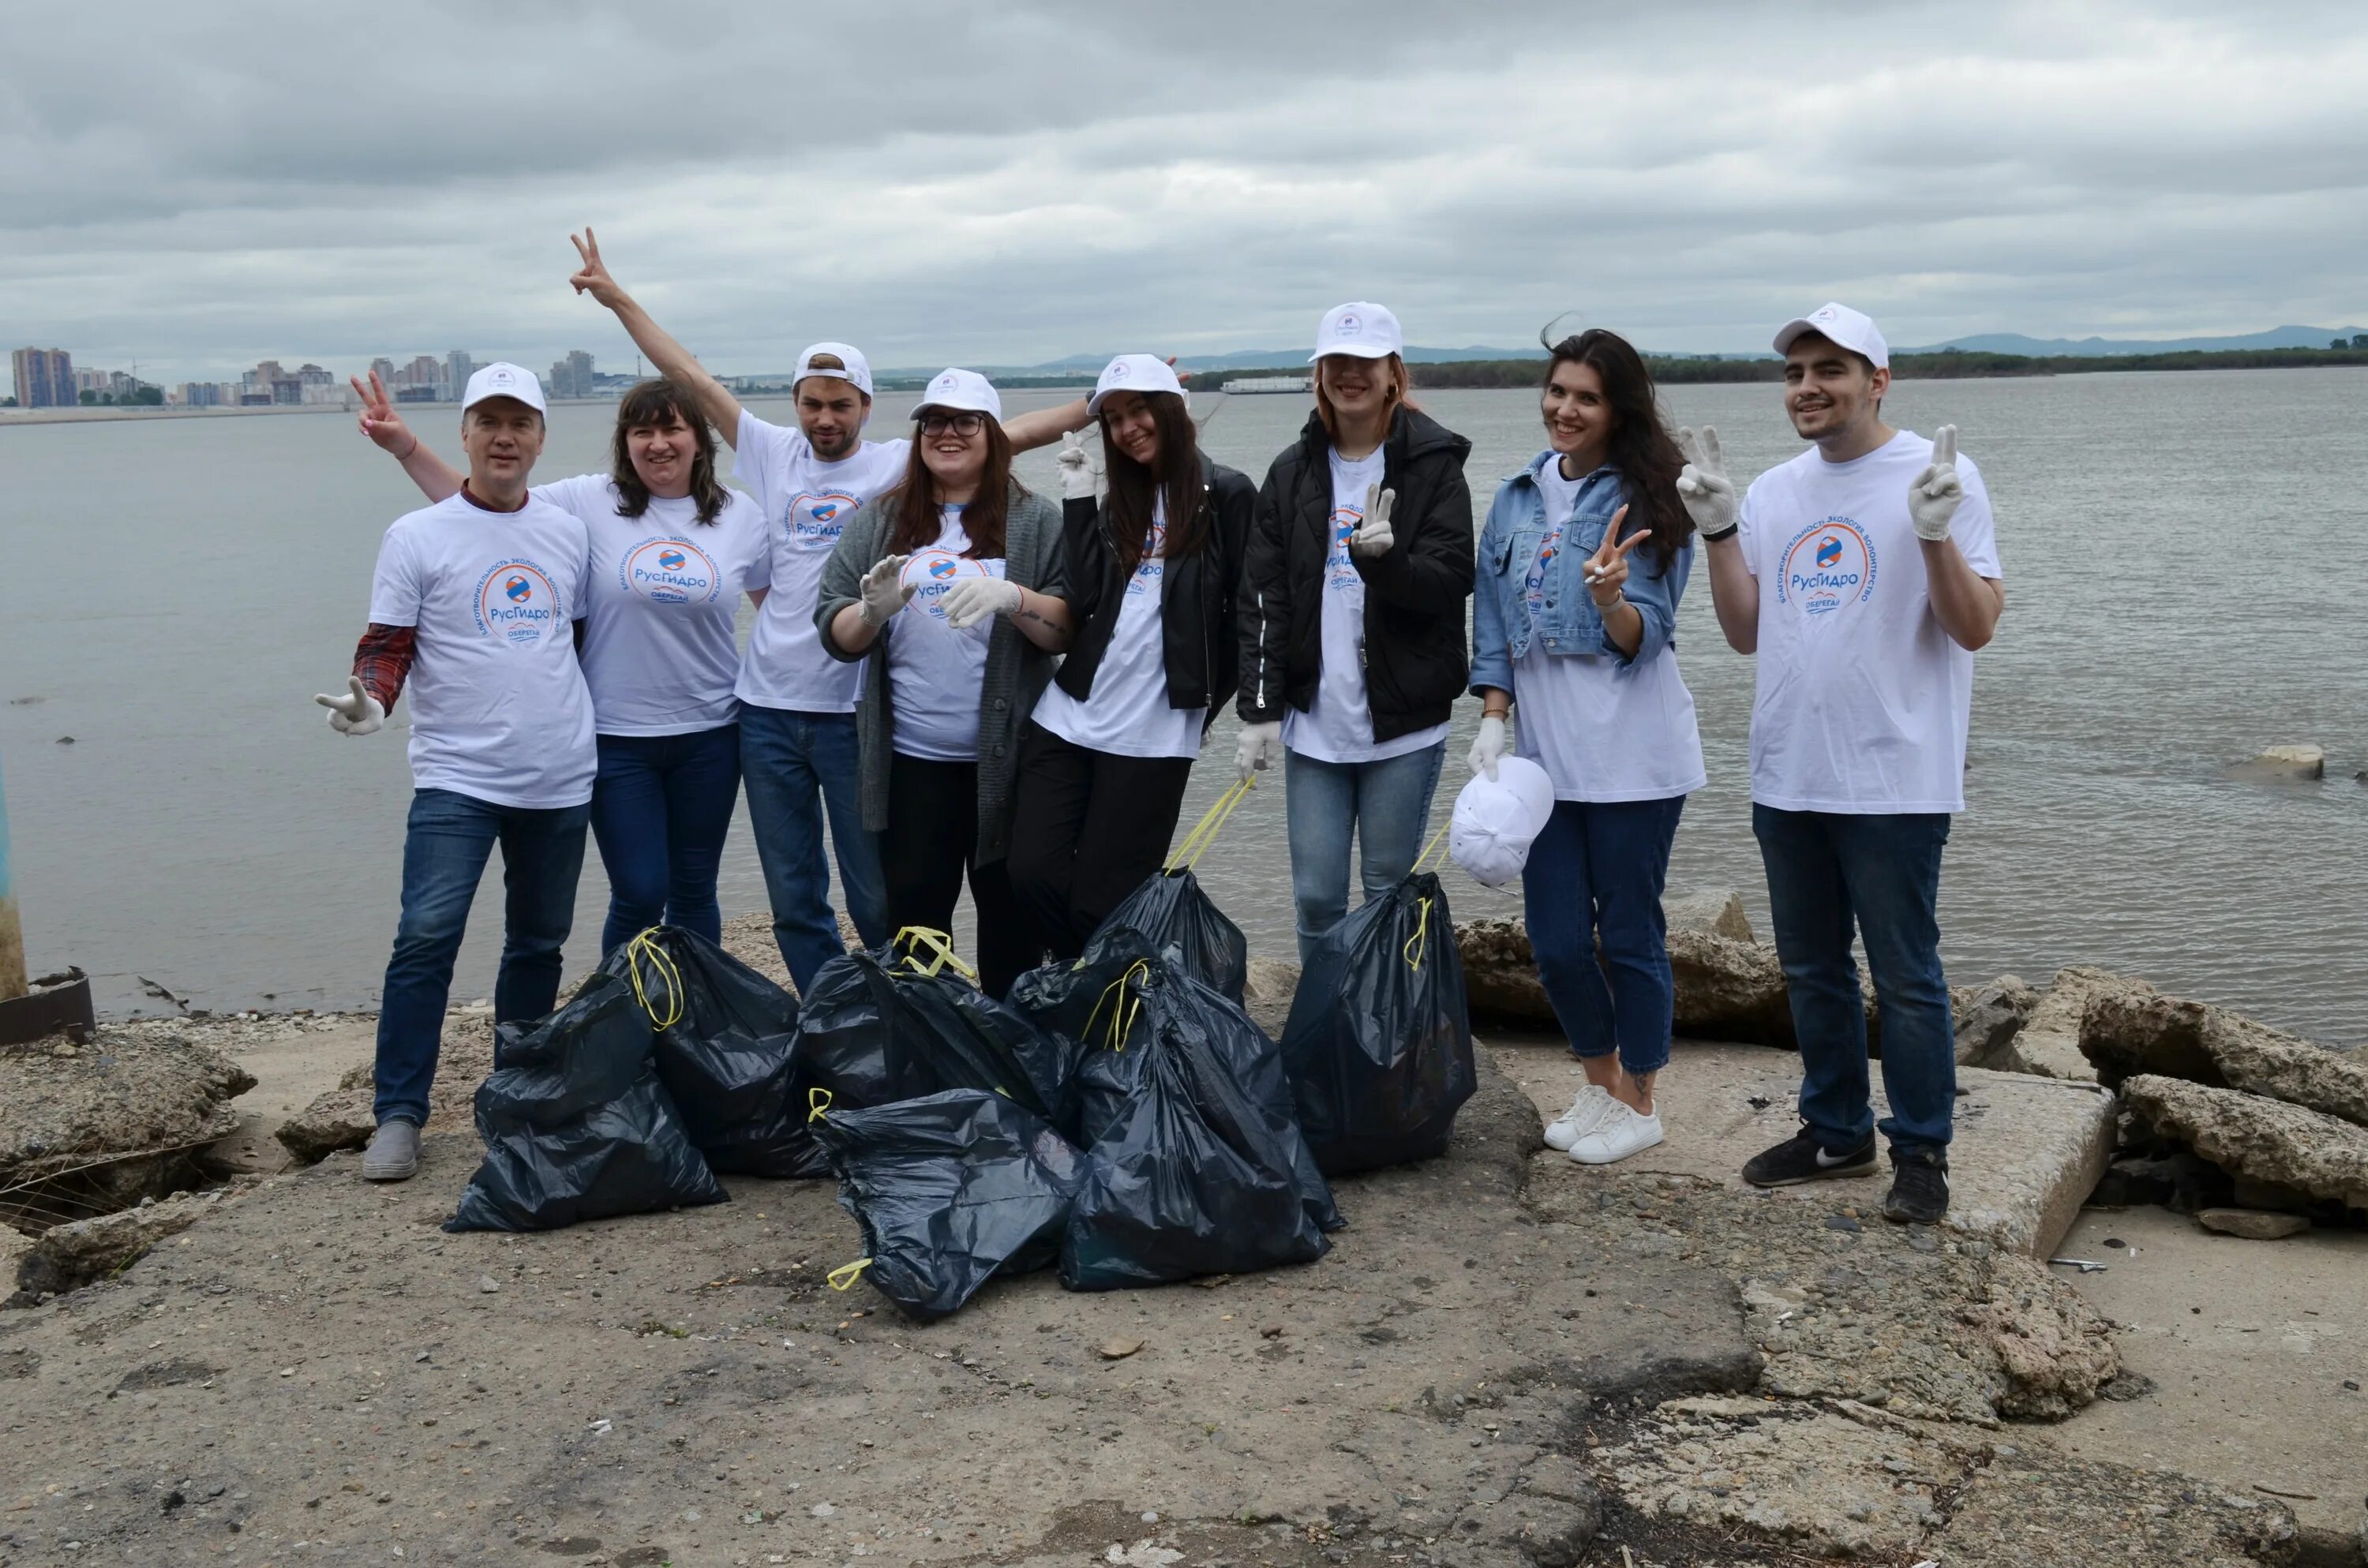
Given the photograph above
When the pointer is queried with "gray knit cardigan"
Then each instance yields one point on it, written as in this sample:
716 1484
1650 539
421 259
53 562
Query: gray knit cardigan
1017 670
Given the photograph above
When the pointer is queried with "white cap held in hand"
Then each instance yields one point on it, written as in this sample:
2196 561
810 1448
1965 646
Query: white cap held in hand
1497 819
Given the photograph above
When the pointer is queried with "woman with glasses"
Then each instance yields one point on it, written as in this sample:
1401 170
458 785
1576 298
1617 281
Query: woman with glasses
950 588
1152 570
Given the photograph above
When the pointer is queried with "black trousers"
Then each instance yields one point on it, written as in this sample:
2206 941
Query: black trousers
932 839
1087 828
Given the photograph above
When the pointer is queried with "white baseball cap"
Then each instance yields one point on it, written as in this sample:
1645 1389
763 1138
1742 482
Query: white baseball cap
1843 326
960 389
858 369
1495 818
1358 327
1145 373
502 379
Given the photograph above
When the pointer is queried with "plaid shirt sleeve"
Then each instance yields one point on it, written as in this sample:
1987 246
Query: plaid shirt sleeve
383 658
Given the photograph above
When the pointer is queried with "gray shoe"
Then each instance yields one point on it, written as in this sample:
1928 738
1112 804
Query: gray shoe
394 1152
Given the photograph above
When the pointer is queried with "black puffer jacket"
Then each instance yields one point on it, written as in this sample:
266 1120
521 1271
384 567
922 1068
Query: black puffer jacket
1415 645
1197 643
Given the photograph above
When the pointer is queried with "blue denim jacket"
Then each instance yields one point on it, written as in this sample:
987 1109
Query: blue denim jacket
1567 622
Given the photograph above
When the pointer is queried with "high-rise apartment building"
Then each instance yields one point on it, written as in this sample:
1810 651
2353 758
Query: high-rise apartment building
458 368
45 378
572 377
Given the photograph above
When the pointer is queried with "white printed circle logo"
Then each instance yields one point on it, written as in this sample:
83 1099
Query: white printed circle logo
816 520
670 571
518 603
1339 570
1120 371
1829 565
931 574
1351 323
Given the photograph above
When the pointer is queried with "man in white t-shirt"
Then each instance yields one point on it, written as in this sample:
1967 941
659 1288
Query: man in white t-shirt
797 703
475 600
1864 573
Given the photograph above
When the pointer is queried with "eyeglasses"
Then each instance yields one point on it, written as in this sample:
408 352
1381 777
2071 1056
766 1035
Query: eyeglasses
937 423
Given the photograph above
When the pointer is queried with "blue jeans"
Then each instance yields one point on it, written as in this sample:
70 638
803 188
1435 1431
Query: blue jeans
444 853
1384 805
795 764
1825 870
1596 871
660 810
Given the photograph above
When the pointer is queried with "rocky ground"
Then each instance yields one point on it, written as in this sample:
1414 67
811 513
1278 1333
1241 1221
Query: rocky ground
1506 1361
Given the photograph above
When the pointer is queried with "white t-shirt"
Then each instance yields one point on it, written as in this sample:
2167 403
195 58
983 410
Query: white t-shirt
1339 727
806 503
498 706
660 652
935 673
1127 714
1862 699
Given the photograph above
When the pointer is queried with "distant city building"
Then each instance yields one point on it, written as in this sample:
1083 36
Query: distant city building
573 376
458 368
45 378
384 369
89 382
427 371
200 395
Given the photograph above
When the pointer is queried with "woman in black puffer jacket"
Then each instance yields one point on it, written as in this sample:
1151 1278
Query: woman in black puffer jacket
1352 625
1153 571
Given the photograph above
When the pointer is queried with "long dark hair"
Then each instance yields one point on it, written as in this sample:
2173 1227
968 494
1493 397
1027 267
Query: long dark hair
657 403
919 517
1173 484
1642 448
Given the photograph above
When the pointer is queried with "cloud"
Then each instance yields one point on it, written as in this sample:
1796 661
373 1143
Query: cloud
196 188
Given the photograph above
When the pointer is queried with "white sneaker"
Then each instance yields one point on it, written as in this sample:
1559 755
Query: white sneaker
1617 1135
1585 1111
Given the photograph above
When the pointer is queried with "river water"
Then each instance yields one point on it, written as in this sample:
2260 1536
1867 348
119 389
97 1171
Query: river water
2186 584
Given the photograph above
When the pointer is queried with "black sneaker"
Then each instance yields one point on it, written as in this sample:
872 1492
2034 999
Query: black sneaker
1801 1158
1919 1186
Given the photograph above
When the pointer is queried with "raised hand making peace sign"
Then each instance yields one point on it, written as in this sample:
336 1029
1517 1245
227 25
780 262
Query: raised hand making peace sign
1607 569
1708 493
593 277
378 420
1933 495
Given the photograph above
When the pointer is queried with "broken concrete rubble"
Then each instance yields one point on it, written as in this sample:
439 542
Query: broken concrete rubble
2259 1138
91 1128
2128 1033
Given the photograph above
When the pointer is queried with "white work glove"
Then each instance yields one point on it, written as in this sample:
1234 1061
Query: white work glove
1257 748
1080 467
884 593
357 712
974 599
1488 746
1933 495
1373 536
1708 496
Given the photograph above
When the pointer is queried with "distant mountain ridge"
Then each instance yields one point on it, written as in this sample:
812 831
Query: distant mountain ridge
1987 343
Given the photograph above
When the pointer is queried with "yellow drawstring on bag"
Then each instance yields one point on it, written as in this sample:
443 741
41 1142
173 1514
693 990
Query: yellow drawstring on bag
847 1274
938 945
1417 945
817 1105
1122 1016
640 950
1204 833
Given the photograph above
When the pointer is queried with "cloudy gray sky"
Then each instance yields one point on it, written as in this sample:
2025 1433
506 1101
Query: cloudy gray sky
197 186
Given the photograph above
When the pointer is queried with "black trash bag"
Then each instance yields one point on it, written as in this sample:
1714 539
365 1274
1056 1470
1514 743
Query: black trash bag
727 1051
1174 914
578 1125
894 1025
951 1189
1379 1044
1194 1165
1090 1003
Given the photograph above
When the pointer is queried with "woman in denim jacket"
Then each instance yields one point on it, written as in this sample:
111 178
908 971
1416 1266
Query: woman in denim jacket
1582 562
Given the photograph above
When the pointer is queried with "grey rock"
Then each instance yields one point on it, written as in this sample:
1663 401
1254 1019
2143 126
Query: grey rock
2290 764
2253 1225
2048 1044
2031 1506
2126 1034
2254 1137
121 1119
1990 1016
1719 912
65 1257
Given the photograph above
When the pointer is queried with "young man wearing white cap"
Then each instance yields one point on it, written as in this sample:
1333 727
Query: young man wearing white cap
798 742
1863 573
475 600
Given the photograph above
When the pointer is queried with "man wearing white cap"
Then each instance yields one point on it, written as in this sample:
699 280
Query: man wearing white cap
798 742
475 600
1863 573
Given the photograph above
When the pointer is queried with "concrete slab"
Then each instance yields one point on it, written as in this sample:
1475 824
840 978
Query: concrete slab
2248 1347
2028 1153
